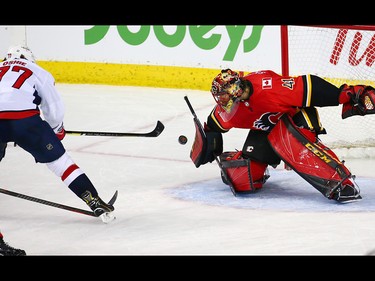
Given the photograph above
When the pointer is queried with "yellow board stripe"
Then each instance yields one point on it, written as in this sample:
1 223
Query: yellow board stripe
131 75
143 75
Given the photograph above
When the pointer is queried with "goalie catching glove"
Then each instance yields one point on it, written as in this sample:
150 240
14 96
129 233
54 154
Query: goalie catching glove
362 100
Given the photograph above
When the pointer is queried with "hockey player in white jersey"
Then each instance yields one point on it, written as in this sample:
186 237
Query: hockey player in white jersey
31 116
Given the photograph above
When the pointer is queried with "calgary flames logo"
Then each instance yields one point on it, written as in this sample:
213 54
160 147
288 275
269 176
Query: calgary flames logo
267 121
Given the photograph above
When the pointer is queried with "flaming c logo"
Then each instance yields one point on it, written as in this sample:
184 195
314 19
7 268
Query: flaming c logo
267 121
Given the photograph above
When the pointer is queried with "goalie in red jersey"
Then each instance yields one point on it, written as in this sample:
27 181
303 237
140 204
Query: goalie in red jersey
281 115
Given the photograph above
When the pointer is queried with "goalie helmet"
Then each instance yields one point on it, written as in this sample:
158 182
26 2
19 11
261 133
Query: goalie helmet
20 52
226 87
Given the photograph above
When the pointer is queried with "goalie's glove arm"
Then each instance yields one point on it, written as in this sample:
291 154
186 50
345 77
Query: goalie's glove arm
319 92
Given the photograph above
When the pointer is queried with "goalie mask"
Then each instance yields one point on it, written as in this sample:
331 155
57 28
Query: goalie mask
20 52
226 88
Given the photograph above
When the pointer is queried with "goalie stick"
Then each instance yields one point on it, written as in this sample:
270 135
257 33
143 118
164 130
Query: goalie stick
154 133
193 111
53 204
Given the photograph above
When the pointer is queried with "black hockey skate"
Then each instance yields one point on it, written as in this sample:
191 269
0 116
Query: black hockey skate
99 207
345 194
7 250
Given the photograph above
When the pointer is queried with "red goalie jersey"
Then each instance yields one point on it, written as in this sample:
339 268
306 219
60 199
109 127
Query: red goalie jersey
271 95
280 113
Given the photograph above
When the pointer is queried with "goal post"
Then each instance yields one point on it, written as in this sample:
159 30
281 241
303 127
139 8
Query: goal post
340 54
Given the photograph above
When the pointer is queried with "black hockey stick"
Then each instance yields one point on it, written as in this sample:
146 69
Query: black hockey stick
192 111
53 204
154 133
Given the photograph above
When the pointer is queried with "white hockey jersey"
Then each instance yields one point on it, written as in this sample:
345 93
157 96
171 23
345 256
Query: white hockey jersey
26 89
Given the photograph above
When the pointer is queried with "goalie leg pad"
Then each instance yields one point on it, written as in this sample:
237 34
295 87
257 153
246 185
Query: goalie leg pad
313 161
243 175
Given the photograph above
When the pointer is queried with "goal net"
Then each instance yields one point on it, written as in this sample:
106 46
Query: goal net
340 54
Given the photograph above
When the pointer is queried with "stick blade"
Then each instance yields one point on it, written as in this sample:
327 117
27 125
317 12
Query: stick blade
157 131
113 199
159 128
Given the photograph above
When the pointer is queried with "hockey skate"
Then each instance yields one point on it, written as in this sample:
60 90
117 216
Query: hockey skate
99 207
345 192
7 250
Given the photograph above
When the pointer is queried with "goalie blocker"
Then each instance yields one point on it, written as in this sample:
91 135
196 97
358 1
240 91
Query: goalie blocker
206 145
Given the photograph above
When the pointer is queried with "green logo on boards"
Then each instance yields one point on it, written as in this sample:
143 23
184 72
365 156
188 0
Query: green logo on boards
199 35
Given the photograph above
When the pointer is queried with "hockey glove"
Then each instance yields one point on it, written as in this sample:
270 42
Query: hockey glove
60 131
207 145
214 144
362 100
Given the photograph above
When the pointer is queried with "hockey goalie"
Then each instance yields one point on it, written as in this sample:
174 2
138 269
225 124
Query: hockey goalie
283 121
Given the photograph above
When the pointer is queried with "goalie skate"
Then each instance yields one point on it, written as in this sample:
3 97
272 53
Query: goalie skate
346 194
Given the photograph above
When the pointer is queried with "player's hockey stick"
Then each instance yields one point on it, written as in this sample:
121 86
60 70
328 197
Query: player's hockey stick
53 204
154 133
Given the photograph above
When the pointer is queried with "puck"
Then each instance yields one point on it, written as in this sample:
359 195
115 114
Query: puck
182 139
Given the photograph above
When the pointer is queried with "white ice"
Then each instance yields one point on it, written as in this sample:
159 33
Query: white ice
166 206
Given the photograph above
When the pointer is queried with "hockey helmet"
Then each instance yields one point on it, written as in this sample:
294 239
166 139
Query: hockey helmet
20 52
226 87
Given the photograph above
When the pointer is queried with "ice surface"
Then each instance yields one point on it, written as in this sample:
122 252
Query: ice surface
166 206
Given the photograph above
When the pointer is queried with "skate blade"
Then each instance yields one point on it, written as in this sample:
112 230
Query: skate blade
345 200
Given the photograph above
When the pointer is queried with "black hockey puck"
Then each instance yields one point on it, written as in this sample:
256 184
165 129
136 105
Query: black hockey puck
182 139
